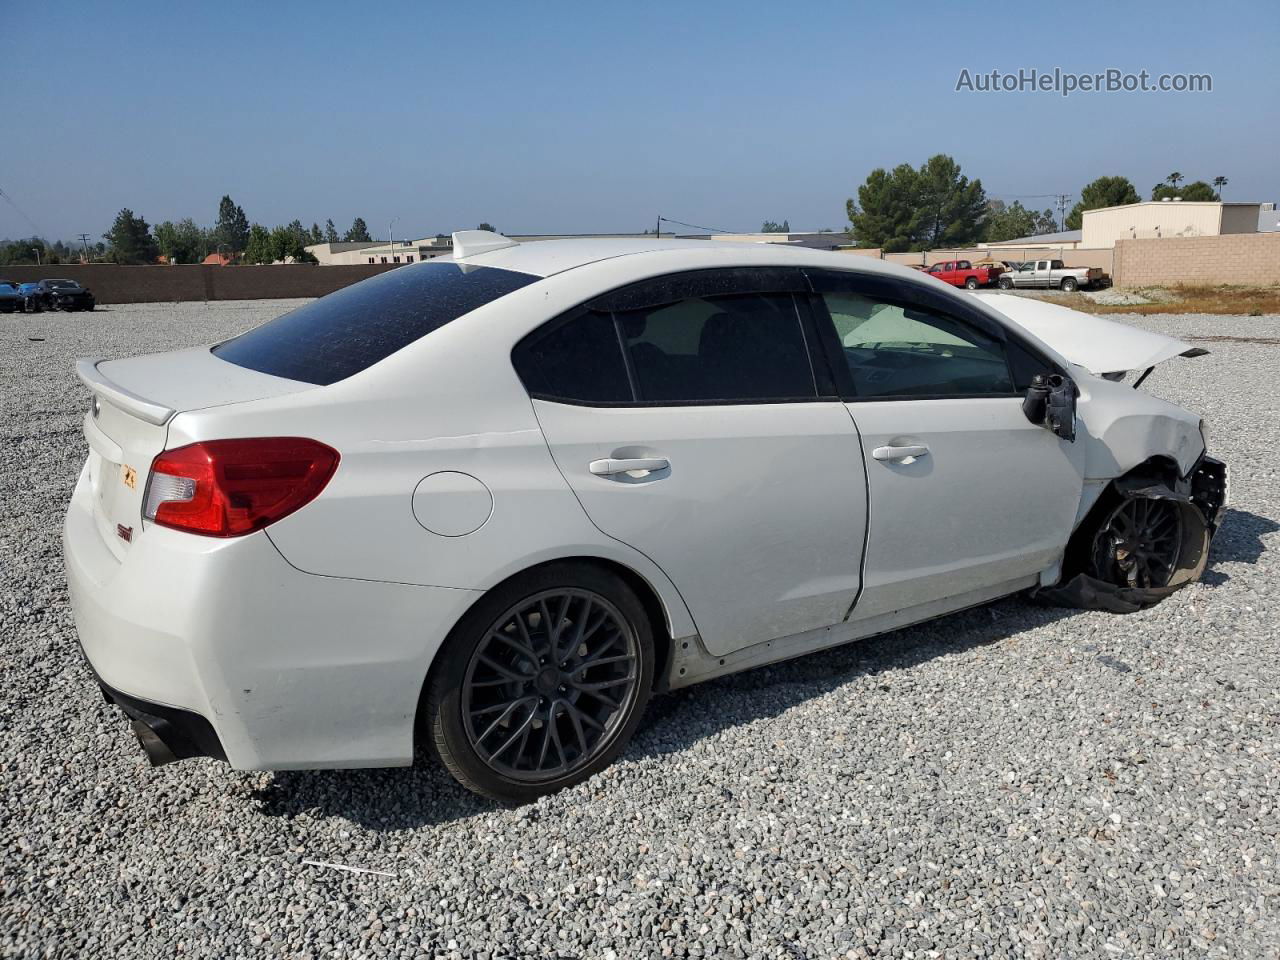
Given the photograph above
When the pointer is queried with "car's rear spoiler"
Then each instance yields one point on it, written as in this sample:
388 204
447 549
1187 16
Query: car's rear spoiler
128 401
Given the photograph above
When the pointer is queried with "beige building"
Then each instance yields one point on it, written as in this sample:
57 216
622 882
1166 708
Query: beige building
1167 218
402 251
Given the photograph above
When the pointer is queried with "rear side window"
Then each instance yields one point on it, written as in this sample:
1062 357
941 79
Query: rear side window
734 348
337 336
578 360
730 348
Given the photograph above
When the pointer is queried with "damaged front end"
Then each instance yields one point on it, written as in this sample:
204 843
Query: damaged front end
1148 538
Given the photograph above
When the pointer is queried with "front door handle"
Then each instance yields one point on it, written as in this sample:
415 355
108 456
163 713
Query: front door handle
904 454
611 468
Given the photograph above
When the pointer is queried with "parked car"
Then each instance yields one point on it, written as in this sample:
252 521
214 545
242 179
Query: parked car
67 295
11 301
962 273
33 297
492 503
1051 273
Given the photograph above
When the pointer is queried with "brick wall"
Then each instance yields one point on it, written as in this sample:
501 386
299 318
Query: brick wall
1239 259
111 283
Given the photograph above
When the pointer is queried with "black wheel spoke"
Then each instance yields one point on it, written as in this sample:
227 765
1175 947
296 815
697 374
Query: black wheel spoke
550 684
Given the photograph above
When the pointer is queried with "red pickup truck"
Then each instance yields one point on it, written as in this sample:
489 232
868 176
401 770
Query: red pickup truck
962 273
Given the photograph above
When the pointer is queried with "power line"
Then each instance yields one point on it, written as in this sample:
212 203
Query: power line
692 226
13 203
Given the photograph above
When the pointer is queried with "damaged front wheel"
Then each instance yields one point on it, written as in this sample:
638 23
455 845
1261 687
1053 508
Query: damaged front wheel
1139 543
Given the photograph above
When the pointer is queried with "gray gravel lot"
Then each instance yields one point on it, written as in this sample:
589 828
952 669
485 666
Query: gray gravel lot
1011 781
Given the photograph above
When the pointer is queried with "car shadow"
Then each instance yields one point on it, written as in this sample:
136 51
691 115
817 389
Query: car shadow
1239 540
407 798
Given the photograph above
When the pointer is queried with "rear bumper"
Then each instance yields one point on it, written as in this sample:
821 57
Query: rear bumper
222 647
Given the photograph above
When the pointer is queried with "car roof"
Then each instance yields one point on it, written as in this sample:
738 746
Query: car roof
545 258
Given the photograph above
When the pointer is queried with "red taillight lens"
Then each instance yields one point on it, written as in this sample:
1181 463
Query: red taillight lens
227 488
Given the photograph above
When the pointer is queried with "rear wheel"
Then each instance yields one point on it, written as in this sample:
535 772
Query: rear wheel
541 684
1068 284
971 283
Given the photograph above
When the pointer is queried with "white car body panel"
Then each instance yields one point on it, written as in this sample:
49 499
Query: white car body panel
927 540
759 519
1095 343
307 644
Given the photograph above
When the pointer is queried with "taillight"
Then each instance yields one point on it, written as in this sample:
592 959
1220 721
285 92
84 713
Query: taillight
227 488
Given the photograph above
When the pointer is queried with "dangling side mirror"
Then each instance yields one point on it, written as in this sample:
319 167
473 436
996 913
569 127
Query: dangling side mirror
1051 403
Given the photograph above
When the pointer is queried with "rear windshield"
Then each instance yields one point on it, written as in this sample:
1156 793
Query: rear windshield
339 335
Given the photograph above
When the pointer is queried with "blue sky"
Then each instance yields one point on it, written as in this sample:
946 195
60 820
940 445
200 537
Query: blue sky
562 117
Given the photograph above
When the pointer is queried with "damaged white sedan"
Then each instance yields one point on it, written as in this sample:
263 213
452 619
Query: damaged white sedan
491 504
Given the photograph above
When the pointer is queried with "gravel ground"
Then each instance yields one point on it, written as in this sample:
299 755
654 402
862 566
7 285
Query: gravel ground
1011 781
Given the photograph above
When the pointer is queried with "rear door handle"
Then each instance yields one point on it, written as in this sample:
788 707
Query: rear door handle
904 454
611 468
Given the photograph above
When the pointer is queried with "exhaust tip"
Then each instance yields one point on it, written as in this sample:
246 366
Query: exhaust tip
157 752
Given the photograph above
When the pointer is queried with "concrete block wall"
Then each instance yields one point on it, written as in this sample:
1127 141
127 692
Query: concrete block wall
112 283
1238 259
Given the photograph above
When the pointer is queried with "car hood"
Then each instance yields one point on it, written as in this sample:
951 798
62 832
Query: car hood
1100 346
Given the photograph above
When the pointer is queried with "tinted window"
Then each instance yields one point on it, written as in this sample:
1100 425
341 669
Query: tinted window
339 335
895 351
579 359
747 347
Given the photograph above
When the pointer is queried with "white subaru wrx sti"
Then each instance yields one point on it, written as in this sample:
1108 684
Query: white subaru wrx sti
494 502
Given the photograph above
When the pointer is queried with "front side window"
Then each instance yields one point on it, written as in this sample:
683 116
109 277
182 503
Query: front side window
898 351
687 338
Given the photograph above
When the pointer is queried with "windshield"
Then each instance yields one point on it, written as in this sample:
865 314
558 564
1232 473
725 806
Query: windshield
63 284
337 336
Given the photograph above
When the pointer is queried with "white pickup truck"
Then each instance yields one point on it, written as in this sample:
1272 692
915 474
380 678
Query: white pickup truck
1050 273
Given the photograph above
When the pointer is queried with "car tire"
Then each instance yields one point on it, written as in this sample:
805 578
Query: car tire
1068 285
1005 283
513 728
971 283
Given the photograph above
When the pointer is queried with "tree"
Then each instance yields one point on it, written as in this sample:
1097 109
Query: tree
1009 223
1045 222
1196 190
317 236
23 250
1103 192
232 228
330 232
1220 182
909 209
131 240
181 242
1174 179
770 227
954 210
359 233
488 226
288 243
258 247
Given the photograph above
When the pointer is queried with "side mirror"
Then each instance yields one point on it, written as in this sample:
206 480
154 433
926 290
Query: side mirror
1051 403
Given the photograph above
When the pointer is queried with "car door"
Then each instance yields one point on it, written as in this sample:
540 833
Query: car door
686 415
965 493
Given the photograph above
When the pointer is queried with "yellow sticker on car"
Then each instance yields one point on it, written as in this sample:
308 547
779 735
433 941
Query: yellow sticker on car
129 476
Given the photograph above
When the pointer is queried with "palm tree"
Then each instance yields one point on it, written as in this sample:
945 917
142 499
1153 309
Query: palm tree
1173 179
1220 182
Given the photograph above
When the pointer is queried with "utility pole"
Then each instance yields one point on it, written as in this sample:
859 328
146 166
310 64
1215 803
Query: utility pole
36 251
84 239
391 237
1062 210
658 227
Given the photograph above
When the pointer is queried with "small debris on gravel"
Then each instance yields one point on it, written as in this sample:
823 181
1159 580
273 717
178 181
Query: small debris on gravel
1110 296
972 787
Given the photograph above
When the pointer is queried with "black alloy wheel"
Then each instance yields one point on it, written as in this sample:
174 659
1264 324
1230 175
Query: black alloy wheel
1139 543
542 684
